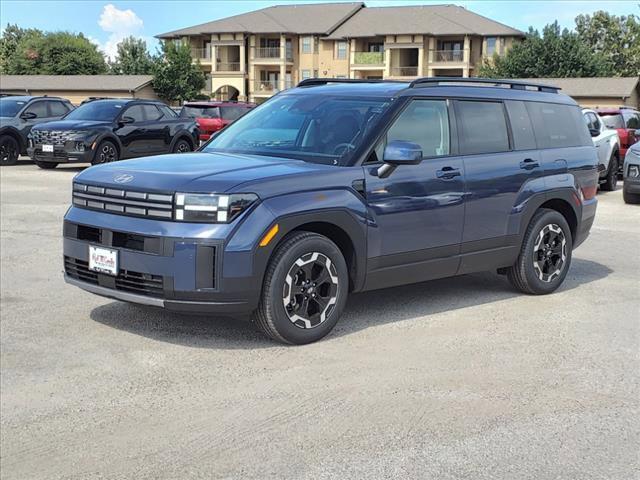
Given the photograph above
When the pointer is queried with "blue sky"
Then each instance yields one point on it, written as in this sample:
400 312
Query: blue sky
107 22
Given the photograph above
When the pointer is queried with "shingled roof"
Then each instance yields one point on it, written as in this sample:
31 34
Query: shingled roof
126 83
314 18
606 87
420 19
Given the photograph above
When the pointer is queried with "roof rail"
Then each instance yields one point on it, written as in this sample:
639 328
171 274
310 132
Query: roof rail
494 82
323 81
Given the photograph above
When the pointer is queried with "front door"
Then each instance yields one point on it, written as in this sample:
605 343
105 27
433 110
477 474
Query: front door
418 211
133 135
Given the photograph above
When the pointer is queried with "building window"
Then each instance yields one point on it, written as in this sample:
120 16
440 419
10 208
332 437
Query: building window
306 74
315 74
307 44
491 45
342 51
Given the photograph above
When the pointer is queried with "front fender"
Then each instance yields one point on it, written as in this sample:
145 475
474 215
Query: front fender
340 208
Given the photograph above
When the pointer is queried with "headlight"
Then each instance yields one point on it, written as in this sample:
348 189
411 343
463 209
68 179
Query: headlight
634 171
211 208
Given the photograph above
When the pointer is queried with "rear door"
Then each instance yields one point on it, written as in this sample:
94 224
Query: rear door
497 169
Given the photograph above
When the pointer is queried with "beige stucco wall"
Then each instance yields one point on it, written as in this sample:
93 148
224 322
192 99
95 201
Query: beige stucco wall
604 102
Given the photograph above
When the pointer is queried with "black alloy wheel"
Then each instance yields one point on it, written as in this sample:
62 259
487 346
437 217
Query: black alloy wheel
106 152
9 150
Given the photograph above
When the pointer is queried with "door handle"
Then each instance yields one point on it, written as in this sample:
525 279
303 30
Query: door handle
529 164
447 173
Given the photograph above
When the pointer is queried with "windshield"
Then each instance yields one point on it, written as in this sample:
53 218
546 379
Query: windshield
192 111
613 121
10 107
99 111
314 128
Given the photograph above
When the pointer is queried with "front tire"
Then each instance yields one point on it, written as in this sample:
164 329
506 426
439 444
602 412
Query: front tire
305 290
105 153
611 180
9 150
545 255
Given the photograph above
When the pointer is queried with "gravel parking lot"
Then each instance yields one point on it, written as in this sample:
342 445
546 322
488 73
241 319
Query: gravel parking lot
459 378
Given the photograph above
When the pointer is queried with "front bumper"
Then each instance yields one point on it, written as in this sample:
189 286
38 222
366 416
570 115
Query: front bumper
632 185
182 267
61 154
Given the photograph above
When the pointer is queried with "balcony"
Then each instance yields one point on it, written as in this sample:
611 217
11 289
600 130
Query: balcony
447 56
269 87
271 53
369 58
227 66
202 54
404 71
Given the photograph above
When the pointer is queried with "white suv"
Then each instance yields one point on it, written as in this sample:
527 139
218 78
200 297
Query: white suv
607 144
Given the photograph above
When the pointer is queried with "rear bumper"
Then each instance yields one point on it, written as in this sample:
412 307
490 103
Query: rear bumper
586 222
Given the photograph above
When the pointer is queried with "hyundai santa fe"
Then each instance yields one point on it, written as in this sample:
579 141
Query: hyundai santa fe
342 186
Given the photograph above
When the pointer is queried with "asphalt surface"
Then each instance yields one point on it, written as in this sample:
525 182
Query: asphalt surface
459 378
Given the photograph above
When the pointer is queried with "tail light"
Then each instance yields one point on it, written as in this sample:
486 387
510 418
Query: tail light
588 192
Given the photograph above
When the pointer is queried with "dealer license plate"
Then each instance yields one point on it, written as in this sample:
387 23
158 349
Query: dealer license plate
47 148
103 260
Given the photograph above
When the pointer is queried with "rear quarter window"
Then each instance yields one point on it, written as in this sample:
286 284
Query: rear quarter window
558 126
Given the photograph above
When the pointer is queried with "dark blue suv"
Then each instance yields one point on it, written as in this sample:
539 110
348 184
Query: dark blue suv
342 186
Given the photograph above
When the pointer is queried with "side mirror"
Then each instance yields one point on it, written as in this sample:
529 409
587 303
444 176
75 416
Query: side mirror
594 132
125 120
28 116
399 152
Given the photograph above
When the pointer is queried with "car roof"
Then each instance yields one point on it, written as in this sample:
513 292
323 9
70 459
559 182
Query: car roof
608 111
28 98
204 103
431 88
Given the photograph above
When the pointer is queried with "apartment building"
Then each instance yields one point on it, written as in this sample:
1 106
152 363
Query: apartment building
254 55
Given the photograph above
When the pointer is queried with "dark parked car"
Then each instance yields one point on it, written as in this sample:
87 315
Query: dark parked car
626 121
342 186
214 116
107 130
18 115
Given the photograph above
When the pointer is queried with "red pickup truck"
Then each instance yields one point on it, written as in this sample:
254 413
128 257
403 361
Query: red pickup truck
214 116
626 121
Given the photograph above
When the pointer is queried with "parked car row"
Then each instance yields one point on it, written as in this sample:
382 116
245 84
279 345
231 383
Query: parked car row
52 131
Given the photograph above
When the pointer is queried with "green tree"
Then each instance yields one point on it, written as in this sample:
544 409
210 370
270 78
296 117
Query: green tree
176 77
9 42
57 53
617 38
555 53
133 58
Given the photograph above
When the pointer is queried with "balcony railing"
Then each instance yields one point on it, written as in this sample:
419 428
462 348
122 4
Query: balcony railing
271 53
201 54
368 58
447 56
269 86
404 71
228 66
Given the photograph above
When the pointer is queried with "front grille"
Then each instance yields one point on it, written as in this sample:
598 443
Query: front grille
126 281
51 137
123 202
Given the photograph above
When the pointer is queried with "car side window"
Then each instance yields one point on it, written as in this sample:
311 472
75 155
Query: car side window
167 112
558 126
39 108
594 123
57 109
424 122
483 127
631 120
521 128
151 113
136 112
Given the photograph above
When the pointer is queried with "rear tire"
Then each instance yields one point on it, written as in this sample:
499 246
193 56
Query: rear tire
630 198
182 146
9 150
105 153
305 290
611 180
46 165
545 255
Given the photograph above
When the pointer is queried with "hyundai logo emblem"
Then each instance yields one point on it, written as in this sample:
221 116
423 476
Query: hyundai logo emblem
123 178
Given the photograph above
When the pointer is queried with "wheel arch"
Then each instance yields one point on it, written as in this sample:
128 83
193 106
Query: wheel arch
564 208
15 134
182 135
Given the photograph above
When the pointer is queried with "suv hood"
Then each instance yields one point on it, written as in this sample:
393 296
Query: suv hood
71 125
196 172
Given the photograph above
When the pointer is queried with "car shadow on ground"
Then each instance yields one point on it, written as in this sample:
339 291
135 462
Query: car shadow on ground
71 167
364 310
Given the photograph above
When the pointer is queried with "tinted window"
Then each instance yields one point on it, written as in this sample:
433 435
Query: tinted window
10 107
193 111
484 127
167 112
613 120
425 122
97 110
523 136
136 112
232 113
39 108
151 112
631 120
591 120
57 109
558 126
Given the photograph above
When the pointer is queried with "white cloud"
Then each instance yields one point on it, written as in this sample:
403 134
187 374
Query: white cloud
119 24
